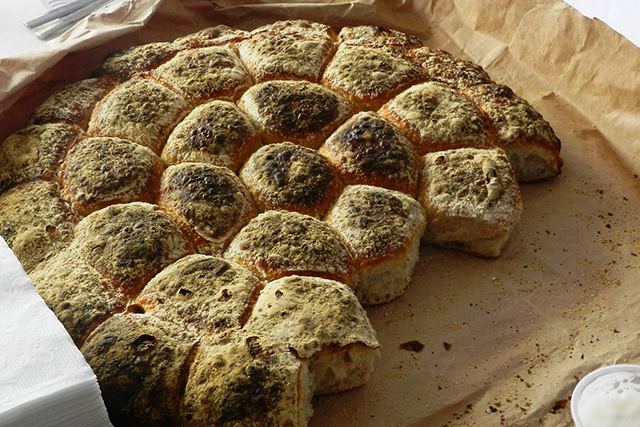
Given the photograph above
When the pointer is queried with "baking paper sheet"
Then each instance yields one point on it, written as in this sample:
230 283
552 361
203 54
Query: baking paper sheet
505 340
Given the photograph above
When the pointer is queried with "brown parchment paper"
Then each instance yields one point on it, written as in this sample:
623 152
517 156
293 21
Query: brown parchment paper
505 340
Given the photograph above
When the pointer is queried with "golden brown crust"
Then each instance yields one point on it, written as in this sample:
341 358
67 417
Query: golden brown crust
436 117
130 243
103 171
367 149
74 103
213 36
378 37
368 77
209 293
140 111
280 243
239 379
216 132
141 363
35 221
445 68
527 138
288 50
290 177
80 297
296 111
203 74
135 61
210 201
35 152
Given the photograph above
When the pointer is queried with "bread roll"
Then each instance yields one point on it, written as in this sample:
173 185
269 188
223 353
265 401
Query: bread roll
290 177
142 364
213 36
208 293
288 50
367 149
140 111
74 103
368 77
216 132
203 74
527 138
35 221
296 111
35 152
323 322
436 117
383 229
210 202
280 243
471 198
103 171
136 61
378 37
130 243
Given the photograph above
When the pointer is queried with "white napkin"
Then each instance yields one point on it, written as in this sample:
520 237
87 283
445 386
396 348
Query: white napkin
44 379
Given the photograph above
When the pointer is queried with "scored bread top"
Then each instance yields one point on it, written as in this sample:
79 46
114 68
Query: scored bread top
290 177
216 132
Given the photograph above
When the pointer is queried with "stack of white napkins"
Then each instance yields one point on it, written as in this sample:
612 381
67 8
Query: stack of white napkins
44 380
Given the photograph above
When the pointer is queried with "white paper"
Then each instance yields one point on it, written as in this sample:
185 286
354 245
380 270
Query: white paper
621 15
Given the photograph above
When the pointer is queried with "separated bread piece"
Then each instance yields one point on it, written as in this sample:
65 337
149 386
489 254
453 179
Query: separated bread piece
527 138
436 117
80 297
203 74
140 111
74 103
213 36
290 177
35 152
297 111
210 202
136 61
216 132
383 229
288 50
378 37
130 243
102 171
441 66
471 198
207 292
238 379
368 77
322 321
35 221
141 363
367 149
281 243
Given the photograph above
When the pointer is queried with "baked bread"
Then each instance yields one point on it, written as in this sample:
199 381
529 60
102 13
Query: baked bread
290 177
281 243
209 293
103 171
369 76
136 61
527 138
296 111
321 321
209 201
203 74
140 111
35 221
378 37
383 229
216 132
218 35
436 117
35 152
74 103
288 50
367 149
471 198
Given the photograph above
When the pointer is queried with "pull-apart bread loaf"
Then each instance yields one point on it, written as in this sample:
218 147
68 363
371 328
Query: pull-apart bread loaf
207 216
